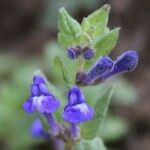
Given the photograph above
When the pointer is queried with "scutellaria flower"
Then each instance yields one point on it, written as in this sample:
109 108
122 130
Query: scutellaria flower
42 101
77 110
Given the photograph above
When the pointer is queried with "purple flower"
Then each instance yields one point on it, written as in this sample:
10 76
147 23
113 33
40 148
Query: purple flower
37 129
88 53
74 52
40 99
77 110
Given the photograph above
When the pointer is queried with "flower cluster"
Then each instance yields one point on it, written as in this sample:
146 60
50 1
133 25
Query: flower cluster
42 101
105 68
77 110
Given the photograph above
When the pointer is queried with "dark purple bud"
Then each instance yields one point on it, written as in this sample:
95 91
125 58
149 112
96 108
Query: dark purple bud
41 99
74 52
77 110
82 78
88 53
102 66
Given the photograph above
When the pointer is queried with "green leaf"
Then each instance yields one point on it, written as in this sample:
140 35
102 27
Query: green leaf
57 61
106 43
68 29
92 128
66 40
95 23
99 16
95 144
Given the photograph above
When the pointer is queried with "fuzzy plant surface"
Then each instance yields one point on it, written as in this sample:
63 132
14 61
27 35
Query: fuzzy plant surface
73 115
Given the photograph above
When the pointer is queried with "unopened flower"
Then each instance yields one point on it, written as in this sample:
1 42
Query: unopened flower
125 63
82 78
87 53
74 52
102 66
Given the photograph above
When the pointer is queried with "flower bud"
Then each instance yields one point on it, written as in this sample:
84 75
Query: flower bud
88 53
74 52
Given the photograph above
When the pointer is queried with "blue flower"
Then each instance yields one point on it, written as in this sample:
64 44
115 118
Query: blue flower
77 110
37 129
40 99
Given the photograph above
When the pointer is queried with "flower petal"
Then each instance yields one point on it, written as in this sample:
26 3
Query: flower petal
50 104
37 129
34 90
78 113
38 79
75 96
28 106
43 89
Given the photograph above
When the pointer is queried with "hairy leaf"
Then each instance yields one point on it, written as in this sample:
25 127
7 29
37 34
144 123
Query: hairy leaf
68 29
95 23
59 62
106 43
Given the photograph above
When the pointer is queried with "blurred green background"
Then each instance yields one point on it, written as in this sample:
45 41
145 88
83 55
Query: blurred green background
28 40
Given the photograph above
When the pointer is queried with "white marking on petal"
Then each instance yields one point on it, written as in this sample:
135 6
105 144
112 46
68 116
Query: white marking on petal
37 100
83 108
